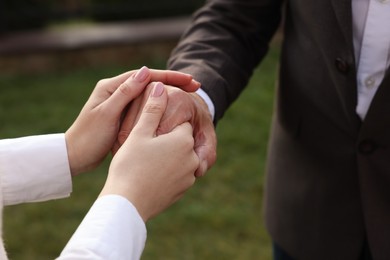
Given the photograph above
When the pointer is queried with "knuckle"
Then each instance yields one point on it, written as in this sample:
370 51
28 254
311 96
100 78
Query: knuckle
190 142
153 108
125 88
176 93
101 83
187 141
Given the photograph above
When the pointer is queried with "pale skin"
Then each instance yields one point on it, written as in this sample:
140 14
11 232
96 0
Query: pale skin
152 171
95 130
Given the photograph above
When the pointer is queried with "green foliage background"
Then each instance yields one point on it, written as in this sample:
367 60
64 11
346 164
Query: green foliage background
219 218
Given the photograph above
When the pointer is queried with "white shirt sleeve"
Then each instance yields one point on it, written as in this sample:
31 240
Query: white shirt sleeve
112 229
208 101
34 168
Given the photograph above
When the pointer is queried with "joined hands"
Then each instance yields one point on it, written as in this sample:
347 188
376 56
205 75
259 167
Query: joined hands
162 137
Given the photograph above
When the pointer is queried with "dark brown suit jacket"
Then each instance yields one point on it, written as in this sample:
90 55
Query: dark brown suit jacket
328 174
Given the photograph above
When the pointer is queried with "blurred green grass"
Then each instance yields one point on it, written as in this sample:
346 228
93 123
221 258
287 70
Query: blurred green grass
219 218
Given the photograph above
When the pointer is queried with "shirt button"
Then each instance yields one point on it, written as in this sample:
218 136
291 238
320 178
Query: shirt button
342 65
369 82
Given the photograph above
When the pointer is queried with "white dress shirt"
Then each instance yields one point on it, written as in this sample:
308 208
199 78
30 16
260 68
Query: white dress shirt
371 32
371 39
36 168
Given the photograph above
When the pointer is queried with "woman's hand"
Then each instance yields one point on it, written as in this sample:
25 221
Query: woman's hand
182 107
153 171
92 135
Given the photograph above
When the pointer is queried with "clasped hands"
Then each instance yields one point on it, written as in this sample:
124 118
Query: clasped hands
160 132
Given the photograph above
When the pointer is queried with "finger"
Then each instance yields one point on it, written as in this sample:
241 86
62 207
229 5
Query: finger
167 123
205 148
169 77
204 153
175 78
132 116
179 110
153 110
115 82
127 91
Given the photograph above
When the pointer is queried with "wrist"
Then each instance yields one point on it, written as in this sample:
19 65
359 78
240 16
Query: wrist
207 100
74 161
203 104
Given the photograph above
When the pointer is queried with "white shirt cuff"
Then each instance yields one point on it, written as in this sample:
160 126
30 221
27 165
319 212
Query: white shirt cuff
112 229
208 101
34 168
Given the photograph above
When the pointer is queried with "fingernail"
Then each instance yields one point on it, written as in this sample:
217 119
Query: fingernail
141 74
158 89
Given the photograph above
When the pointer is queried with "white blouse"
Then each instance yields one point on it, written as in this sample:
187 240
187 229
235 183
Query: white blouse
36 168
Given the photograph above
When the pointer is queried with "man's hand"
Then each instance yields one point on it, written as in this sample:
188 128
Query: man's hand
182 107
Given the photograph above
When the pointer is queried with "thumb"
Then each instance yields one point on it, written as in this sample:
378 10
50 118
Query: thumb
153 110
126 91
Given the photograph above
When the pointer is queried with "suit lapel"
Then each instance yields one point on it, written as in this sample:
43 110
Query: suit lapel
343 11
347 93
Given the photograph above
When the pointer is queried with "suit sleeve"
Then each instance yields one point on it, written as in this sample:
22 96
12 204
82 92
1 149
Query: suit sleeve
224 43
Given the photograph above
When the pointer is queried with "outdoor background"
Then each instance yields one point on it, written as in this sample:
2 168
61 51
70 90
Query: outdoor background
219 218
